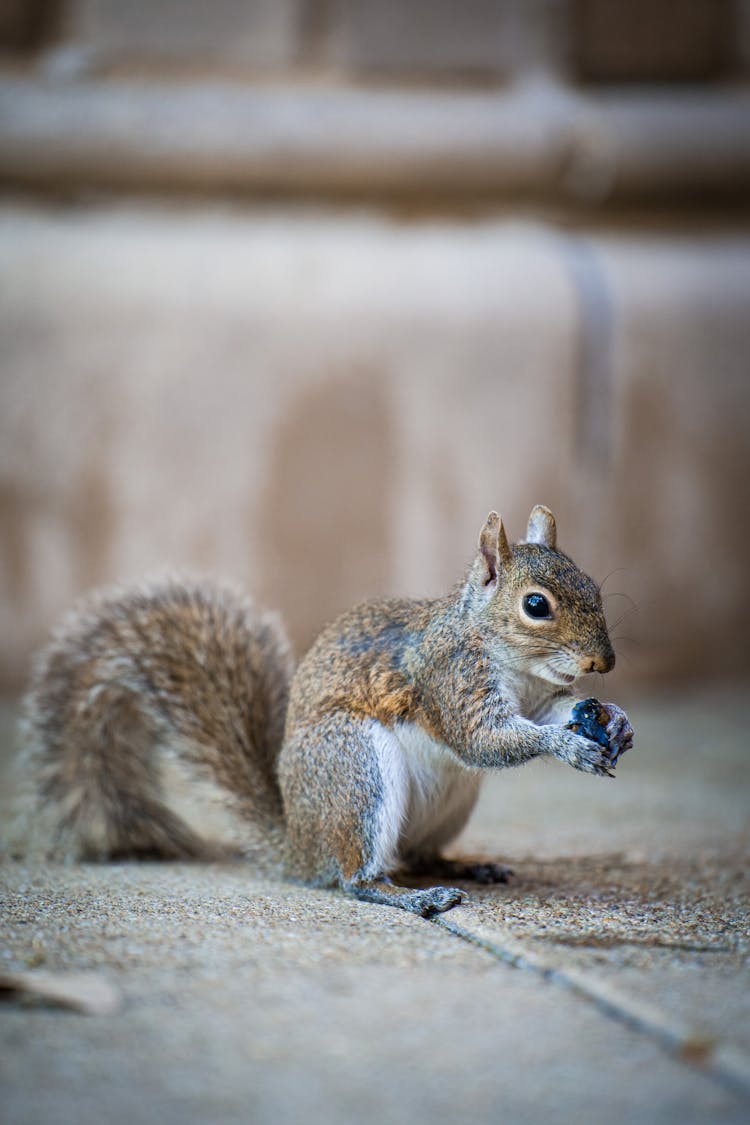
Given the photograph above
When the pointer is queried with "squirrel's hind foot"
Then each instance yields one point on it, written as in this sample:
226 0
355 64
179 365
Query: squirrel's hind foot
432 900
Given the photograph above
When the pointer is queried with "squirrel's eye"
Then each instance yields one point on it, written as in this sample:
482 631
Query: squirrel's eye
536 605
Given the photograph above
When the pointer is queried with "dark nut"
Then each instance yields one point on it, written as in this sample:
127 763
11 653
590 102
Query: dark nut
589 719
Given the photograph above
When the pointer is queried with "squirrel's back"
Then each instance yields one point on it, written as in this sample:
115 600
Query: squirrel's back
188 667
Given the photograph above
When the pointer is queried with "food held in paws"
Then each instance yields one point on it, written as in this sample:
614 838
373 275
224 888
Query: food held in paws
590 719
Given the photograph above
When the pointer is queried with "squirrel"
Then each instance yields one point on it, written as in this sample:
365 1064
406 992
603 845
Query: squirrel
365 761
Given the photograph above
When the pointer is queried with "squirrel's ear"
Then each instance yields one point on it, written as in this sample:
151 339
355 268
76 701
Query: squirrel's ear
493 553
542 527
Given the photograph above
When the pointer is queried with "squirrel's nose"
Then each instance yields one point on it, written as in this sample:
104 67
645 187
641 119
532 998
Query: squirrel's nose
602 662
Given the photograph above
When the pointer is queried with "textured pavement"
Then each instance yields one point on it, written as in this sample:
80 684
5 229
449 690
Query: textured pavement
608 981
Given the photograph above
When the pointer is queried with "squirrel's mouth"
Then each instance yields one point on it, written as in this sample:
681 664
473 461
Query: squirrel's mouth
563 679
551 671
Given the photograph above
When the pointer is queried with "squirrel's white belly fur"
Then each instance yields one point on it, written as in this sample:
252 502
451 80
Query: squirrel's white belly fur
428 793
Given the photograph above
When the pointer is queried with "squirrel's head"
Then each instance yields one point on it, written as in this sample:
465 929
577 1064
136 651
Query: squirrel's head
545 612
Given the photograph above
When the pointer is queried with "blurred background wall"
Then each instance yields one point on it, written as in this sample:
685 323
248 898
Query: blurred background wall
297 290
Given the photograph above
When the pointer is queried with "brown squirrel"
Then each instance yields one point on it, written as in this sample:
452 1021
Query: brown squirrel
366 760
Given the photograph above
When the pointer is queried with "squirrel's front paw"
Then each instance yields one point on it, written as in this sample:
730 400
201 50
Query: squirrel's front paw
583 754
604 723
619 731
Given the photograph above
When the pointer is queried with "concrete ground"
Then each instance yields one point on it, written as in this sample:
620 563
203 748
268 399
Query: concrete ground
607 982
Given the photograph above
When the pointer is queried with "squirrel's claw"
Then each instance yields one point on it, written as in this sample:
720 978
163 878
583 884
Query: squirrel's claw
619 731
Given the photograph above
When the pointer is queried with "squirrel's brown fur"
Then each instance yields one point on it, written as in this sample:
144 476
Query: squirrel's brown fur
376 762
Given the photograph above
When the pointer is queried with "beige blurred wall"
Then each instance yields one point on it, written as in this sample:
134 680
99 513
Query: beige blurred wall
323 397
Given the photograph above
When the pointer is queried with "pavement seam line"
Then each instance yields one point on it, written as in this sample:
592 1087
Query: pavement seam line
725 1064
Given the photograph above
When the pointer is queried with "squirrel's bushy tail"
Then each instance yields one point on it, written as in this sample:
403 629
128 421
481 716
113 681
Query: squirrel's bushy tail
189 668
